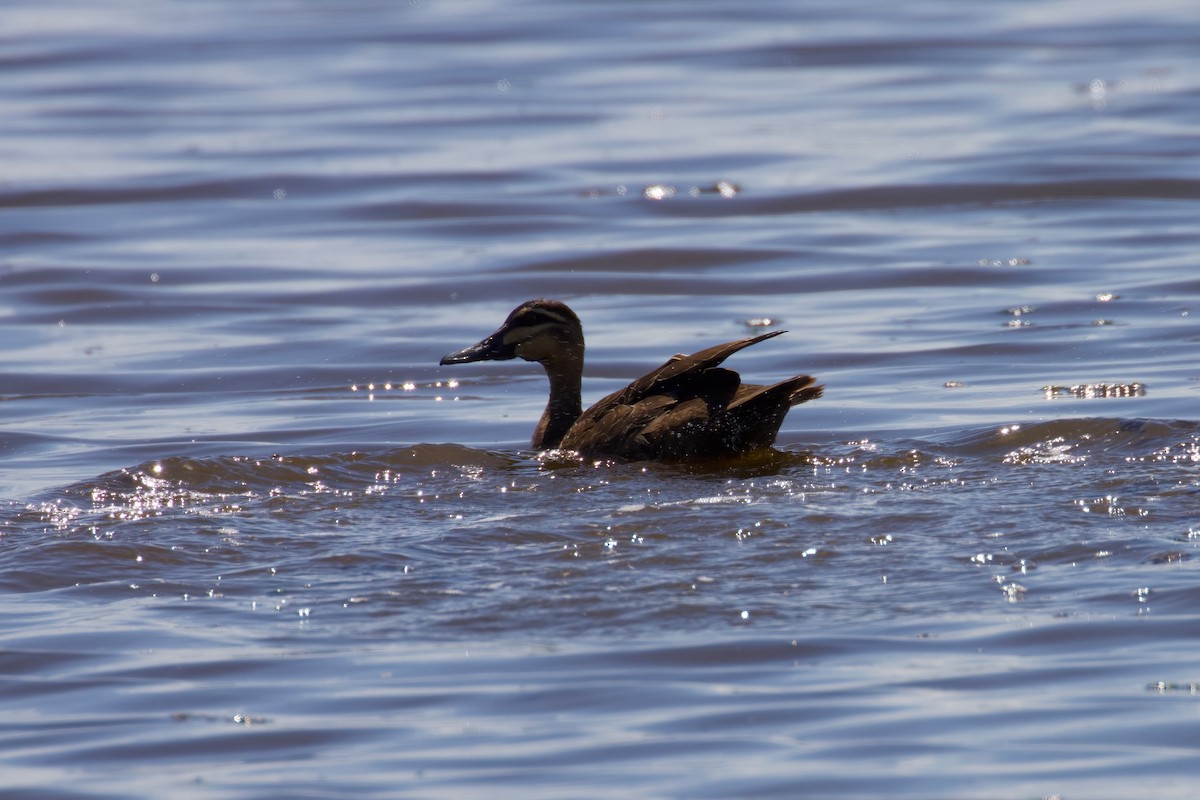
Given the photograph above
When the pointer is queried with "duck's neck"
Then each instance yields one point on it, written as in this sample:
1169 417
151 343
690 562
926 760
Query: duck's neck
565 406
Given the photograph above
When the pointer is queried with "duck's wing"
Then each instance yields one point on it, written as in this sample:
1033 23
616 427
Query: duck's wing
689 407
683 374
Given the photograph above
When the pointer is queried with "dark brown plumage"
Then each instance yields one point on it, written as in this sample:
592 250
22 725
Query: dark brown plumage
690 408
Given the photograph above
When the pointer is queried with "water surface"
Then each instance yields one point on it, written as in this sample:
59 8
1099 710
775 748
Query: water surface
255 542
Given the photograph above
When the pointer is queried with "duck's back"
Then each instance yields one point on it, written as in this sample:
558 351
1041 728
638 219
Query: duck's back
690 408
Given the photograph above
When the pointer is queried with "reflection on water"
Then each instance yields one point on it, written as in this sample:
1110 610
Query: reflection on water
257 543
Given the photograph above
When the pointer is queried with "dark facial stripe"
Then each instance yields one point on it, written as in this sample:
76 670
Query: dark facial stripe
514 334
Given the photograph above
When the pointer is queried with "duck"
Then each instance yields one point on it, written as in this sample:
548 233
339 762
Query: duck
689 409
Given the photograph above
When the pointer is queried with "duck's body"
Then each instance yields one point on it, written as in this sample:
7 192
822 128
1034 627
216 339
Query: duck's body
688 409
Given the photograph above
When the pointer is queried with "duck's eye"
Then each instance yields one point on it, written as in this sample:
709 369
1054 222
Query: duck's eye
527 320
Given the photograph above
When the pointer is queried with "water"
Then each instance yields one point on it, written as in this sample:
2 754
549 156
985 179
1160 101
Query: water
256 543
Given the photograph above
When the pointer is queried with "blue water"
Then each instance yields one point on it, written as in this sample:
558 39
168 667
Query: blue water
256 543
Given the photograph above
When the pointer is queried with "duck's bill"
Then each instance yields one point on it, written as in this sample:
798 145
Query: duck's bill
492 348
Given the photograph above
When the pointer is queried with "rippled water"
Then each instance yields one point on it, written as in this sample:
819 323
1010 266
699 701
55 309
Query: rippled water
255 542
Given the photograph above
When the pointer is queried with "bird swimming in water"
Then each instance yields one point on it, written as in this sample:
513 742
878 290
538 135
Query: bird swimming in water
689 409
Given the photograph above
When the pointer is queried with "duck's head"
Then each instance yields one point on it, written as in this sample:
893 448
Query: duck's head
538 330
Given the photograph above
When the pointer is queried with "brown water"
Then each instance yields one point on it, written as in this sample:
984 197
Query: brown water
256 543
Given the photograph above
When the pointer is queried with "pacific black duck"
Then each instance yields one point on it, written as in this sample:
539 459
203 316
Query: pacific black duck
688 409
